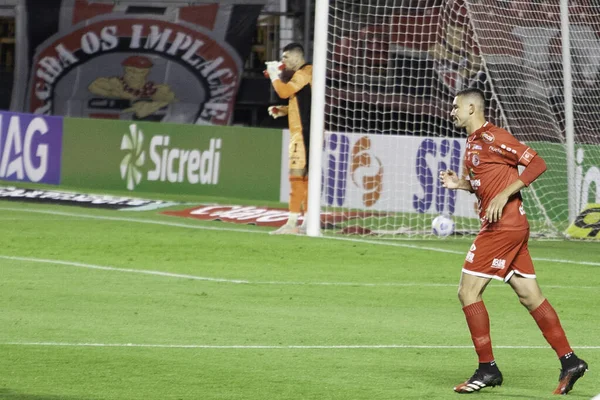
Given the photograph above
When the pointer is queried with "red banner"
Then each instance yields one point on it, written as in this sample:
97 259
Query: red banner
118 61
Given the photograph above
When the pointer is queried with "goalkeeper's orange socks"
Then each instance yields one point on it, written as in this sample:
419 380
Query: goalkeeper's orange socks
546 318
296 194
305 193
298 198
478 321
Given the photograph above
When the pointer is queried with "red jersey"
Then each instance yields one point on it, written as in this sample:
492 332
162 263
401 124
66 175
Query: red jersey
491 158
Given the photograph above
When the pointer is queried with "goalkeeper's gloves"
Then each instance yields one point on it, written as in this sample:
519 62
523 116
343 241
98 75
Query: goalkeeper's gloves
274 69
275 112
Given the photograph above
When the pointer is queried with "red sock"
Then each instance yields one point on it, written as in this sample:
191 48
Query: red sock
479 325
549 324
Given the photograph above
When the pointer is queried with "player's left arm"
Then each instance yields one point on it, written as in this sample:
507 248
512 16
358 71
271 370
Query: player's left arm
515 153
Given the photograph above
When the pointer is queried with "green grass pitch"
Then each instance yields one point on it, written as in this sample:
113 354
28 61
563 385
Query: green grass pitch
119 308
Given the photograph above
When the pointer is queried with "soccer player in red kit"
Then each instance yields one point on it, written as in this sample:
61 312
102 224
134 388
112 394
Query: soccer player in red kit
500 250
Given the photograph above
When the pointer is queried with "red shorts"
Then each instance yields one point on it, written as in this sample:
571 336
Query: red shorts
500 255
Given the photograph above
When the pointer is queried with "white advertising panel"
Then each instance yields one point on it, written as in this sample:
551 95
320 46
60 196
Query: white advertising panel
391 173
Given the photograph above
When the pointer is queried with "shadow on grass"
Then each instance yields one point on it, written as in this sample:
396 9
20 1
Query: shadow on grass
7 394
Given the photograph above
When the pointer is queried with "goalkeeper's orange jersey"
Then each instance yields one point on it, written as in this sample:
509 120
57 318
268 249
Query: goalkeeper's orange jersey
491 158
298 92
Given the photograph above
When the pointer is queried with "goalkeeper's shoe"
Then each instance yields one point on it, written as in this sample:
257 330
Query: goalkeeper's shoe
480 380
302 229
286 230
568 376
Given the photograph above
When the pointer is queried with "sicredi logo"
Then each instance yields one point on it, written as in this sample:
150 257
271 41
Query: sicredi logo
168 163
30 148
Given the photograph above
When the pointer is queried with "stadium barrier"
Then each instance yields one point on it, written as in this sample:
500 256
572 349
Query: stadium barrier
145 157
251 163
364 172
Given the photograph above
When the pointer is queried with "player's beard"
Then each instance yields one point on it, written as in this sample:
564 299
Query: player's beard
457 123
286 75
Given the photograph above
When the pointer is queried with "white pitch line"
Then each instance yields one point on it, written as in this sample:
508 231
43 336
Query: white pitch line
32 219
212 228
243 281
409 246
220 280
280 347
592 263
137 220
436 249
115 269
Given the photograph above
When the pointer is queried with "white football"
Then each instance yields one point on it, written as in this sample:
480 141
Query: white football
442 226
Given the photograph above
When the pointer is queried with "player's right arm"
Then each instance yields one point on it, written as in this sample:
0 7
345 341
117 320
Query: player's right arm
285 90
450 180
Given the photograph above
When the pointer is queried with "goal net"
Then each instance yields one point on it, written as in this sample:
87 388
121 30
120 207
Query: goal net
392 71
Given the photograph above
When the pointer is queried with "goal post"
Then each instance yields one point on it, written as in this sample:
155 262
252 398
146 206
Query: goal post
391 71
568 101
317 122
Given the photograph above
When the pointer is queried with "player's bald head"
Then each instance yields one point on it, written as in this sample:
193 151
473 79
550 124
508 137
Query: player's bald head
472 97
468 109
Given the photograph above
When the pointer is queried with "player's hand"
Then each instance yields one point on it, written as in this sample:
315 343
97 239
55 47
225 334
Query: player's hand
273 69
449 179
275 112
493 212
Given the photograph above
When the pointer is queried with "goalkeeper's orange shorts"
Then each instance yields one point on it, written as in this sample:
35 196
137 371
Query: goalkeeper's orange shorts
500 255
297 153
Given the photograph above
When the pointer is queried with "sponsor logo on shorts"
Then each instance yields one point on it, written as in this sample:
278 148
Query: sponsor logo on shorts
522 209
475 160
477 147
498 263
475 183
470 257
488 137
473 247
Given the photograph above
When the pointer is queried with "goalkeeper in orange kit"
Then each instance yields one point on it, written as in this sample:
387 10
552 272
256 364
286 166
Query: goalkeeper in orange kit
298 92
